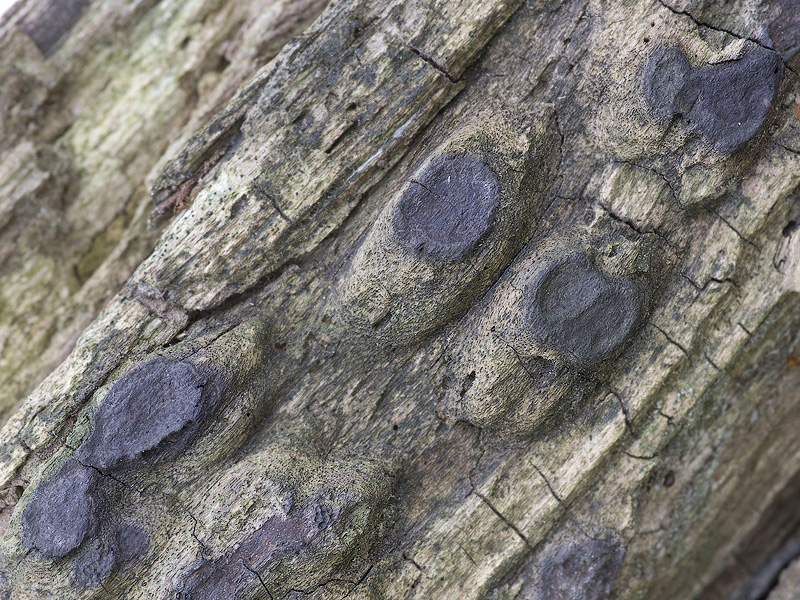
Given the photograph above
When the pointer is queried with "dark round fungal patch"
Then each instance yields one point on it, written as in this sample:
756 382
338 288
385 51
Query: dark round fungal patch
669 479
784 29
63 511
130 543
232 574
582 312
583 571
94 567
50 21
726 103
665 77
448 208
323 516
157 404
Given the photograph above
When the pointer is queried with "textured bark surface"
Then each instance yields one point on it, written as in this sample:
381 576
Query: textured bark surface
488 299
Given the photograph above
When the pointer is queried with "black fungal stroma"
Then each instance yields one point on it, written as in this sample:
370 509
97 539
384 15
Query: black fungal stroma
160 401
448 207
94 567
63 511
583 571
726 103
580 311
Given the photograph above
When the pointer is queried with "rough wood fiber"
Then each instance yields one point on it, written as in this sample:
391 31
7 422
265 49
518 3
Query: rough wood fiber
85 118
385 250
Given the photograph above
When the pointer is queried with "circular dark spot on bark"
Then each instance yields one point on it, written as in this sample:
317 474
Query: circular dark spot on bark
669 479
94 567
577 309
726 103
448 208
584 571
63 511
157 403
735 98
664 78
131 543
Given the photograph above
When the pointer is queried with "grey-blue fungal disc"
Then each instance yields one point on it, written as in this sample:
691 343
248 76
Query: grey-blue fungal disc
63 511
154 405
584 571
49 29
726 103
785 28
581 311
130 542
94 567
448 207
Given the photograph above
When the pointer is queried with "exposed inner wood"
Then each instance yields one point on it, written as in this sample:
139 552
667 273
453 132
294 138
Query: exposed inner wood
483 316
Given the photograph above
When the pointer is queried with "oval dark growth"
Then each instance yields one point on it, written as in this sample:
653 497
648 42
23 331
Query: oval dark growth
784 29
448 208
130 543
665 78
94 567
158 403
49 22
580 311
581 571
726 103
669 479
230 575
63 511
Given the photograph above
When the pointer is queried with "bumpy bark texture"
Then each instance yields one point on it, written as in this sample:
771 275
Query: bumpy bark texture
400 299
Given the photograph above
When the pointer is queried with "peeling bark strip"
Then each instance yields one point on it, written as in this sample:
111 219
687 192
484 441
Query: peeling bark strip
455 303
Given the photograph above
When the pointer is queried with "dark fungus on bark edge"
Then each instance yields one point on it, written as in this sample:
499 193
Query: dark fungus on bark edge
669 478
229 576
151 412
784 29
63 511
584 571
448 208
581 312
49 25
127 543
94 567
726 103
130 543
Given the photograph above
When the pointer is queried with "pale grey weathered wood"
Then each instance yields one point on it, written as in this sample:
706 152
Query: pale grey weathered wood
382 434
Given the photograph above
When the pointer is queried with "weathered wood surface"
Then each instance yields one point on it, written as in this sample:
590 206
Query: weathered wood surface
477 300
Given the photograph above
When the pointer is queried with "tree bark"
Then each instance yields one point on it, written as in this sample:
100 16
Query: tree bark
400 299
